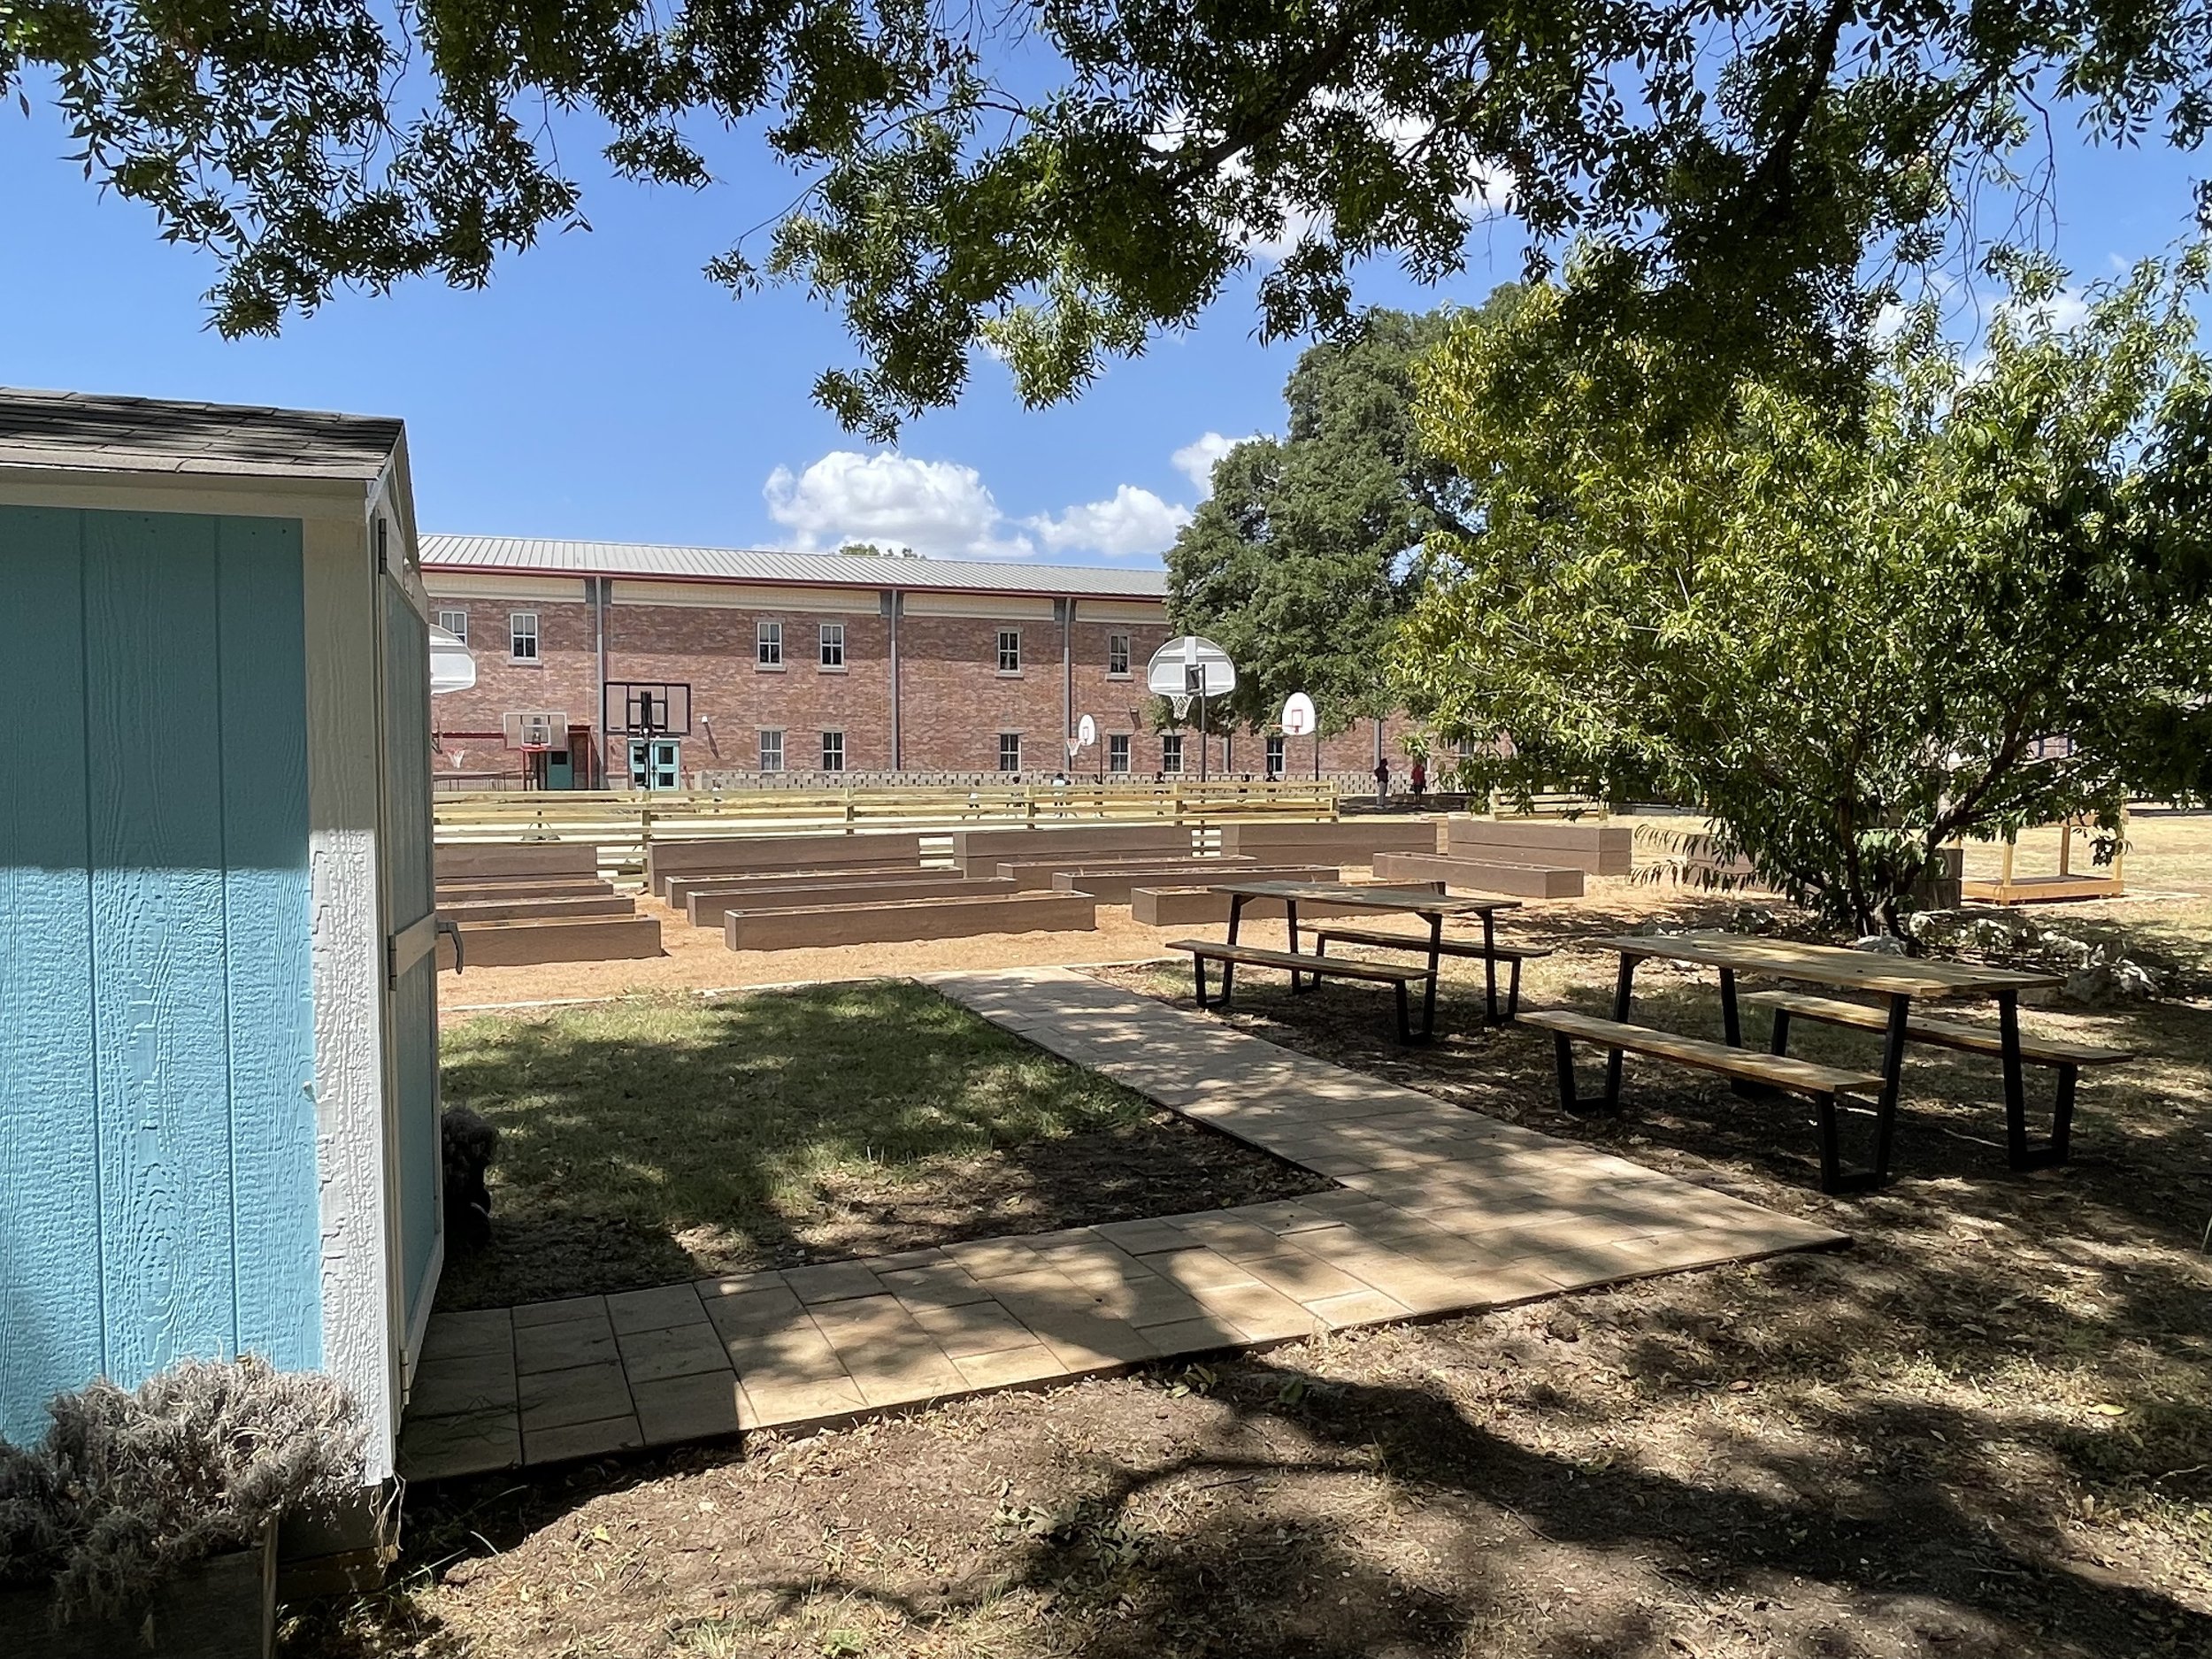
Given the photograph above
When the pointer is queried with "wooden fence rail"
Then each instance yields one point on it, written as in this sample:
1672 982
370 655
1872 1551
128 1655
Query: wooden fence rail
624 822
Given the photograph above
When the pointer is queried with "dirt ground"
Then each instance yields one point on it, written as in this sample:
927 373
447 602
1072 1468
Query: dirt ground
1984 1430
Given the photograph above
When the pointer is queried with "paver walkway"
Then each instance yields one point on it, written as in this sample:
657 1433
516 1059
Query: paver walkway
1440 1210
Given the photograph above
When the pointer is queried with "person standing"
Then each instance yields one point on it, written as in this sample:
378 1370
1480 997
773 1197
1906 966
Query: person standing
1420 778
1382 781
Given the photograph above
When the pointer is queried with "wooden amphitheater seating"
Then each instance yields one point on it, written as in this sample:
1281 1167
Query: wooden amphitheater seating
1354 840
978 852
578 938
759 854
1481 875
1036 874
508 860
1111 885
518 888
514 909
1190 906
678 889
706 907
1598 850
901 920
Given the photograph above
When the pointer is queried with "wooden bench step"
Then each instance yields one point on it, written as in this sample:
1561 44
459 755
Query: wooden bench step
1451 947
1947 1033
1802 1077
1298 962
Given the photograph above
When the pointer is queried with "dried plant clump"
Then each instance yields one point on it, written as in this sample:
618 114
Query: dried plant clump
129 1485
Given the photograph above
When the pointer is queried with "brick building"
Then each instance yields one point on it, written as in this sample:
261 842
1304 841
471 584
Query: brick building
807 665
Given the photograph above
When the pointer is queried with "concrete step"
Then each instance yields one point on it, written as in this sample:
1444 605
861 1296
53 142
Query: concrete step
773 929
580 938
1481 875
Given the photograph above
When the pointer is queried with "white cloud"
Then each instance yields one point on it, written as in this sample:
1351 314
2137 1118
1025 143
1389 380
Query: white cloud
1134 522
1195 459
943 510
940 508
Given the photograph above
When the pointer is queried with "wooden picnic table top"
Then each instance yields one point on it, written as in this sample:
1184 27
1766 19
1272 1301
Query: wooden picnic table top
1833 965
1420 901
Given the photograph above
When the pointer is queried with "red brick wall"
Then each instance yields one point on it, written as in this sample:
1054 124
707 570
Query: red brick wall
565 677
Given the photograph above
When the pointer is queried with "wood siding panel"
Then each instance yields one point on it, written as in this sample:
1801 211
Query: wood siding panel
51 1337
160 1039
264 668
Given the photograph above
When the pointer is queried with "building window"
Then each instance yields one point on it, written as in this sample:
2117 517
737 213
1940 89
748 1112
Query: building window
1009 651
1117 754
455 623
1117 655
1009 749
1275 747
832 751
1172 753
768 644
833 645
522 636
772 751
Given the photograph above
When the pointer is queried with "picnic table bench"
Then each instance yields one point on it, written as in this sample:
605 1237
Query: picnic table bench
1472 950
1426 902
1398 976
1898 980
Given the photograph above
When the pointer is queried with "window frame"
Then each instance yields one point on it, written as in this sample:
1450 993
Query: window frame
516 634
830 636
444 617
1123 645
1004 655
1118 756
1171 744
839 738
782 755
1015 738
1276 763
767 643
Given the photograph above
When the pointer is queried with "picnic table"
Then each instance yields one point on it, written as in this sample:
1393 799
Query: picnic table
1427 903
1899 981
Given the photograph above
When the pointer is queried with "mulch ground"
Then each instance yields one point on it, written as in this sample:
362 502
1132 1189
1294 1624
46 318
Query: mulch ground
1984 1430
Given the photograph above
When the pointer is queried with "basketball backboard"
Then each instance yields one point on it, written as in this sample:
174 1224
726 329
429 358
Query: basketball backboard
1190 667
451 667
533 729
1298 716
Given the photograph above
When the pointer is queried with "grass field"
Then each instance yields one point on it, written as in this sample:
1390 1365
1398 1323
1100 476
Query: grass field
662 1138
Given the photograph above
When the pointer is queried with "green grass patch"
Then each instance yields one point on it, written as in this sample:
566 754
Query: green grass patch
657 1138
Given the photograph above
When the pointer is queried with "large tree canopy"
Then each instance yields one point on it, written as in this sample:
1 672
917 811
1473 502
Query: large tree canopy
1058 179
1300 562
1986 602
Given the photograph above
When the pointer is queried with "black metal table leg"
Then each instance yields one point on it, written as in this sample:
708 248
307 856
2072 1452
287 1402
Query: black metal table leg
1290 919
1490 964
1731 1017
1623 989
1436 966
2019 1153
1229 969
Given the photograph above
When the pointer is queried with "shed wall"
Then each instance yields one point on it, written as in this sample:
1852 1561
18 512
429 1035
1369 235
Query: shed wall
158 1178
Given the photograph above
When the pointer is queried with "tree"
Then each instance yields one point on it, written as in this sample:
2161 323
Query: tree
1300 563
1847 640
1059 181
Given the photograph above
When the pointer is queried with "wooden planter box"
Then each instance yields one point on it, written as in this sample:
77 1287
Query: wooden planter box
225 1608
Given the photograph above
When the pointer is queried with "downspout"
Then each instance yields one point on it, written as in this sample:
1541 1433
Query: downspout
1067 679
601 587
891 608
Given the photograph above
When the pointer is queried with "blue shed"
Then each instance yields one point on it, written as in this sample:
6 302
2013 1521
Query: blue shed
219 1089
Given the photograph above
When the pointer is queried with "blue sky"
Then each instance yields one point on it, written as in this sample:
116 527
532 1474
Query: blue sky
602 388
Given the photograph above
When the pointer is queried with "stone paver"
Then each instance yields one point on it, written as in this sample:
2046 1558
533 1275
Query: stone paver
1439 1211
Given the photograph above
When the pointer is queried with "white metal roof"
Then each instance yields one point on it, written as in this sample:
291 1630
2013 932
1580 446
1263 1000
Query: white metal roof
88 432
538 556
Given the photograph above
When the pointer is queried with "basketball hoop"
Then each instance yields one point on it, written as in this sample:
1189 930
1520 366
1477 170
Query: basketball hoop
1179 701
535 731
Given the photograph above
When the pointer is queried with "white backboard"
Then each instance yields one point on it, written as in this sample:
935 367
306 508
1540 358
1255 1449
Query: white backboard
1298 717
1086 731
1190 666
451 667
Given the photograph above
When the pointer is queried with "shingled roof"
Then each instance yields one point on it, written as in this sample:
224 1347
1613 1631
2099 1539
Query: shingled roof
87 432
